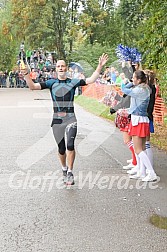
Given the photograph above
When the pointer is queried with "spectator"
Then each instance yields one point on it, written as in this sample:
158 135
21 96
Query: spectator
28 55
33 75
127 69
112 75
118 79
22 55
106 76
22 46
139 125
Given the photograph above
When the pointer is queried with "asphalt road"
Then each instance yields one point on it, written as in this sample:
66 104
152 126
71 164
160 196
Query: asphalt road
103 211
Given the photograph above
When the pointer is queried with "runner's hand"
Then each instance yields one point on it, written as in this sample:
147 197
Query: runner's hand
103 59
24 68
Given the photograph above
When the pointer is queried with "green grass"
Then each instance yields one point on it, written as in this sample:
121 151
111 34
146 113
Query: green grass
158 139
95 107
158 221
165 119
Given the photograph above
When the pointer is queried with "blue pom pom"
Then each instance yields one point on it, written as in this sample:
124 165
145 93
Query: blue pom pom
125 53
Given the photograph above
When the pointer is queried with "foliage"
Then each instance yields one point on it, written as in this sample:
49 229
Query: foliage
88 55
42 23
153 43
7 39
130 16
97 21
82 30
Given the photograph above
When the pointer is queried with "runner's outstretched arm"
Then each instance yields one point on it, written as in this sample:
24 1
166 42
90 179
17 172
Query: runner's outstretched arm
30 83
102 61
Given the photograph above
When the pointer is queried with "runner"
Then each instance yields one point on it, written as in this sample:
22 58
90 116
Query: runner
64 121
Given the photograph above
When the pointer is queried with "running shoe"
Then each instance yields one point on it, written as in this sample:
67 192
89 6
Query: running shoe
64 176
70 179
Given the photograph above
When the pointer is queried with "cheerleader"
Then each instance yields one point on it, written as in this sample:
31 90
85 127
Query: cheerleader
124 104
139 125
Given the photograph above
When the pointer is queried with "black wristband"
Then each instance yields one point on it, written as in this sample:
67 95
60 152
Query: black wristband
26 73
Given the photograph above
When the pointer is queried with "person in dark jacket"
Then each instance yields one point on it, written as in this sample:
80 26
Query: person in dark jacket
150 109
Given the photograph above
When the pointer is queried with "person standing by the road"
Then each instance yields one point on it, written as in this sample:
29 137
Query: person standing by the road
139 125
64 121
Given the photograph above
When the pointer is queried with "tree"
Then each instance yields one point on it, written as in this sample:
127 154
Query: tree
7 41
97 21
42 23
153 43
130 16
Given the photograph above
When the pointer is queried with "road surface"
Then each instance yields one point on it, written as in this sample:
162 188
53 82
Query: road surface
103 211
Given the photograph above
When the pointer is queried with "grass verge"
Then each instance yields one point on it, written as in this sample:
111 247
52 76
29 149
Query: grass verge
158 139
158 221
95 107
